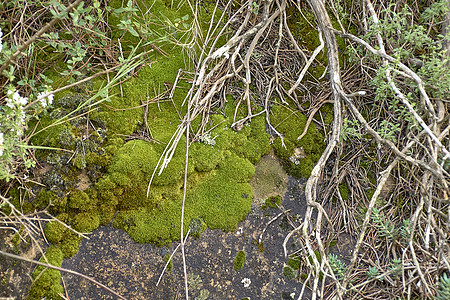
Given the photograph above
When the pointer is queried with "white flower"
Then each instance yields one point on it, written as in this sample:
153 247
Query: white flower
15 99
9 103
22 116
1 138
16 96
22 101
45 100
1 42
246 282
292 295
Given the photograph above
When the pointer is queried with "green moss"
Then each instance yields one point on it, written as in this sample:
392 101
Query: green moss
327 112
144 225
239 260
344 190
218 189
17 236
219 199
236 169
299 156
48 284
46 198
205 157
254 143
294 262
80 201
86 222
54 232
166 259
70 245
273 201
289 273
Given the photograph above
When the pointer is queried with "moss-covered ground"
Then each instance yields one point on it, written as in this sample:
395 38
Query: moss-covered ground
119 144
121 166
298 156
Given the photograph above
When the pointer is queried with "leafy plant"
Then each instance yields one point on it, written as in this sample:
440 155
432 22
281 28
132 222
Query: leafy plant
349 130
373 272
444 288
254 7
396 268
339 268
385 227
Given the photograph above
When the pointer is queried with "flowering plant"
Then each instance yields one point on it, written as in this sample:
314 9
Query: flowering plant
14 116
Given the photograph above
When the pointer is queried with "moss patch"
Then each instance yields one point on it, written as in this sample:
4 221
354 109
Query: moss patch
239 260
299 156
289 273
48 284
272 202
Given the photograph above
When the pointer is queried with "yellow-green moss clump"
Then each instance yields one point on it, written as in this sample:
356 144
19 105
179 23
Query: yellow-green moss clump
218 188
61 236
239 260
47 284
299 156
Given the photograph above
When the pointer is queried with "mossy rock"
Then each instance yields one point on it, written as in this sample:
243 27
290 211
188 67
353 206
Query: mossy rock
239 260
221 198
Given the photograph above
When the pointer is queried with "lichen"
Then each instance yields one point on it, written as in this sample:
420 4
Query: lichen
197 226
